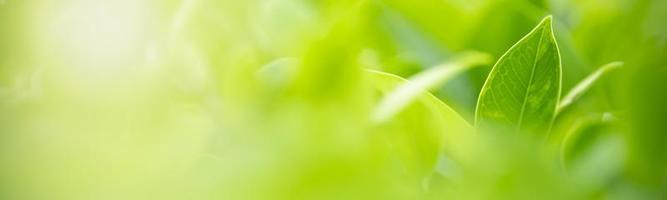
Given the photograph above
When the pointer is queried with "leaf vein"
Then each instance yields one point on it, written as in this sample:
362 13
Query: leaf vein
530 80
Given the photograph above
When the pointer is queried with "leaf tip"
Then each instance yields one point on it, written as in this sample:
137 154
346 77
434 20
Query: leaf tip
546 21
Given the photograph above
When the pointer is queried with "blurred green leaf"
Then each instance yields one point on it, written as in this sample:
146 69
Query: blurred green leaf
580 89
434 126
387 83
523 88
591 151
405 94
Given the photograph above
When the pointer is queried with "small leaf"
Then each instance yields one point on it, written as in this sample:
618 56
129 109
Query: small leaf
423 130
582 134
583 86
523 88
590 150
386 82
406 93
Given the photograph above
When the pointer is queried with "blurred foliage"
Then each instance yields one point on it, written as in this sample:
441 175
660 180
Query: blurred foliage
273 99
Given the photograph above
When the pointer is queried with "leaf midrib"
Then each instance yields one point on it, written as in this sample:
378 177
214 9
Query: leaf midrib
530 80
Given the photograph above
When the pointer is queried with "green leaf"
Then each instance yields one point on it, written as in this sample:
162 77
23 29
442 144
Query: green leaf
523 88
423 130
386 83
582 134
407 93
583 86
590 150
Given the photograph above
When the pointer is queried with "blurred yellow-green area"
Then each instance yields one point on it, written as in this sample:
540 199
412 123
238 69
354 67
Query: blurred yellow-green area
274 99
